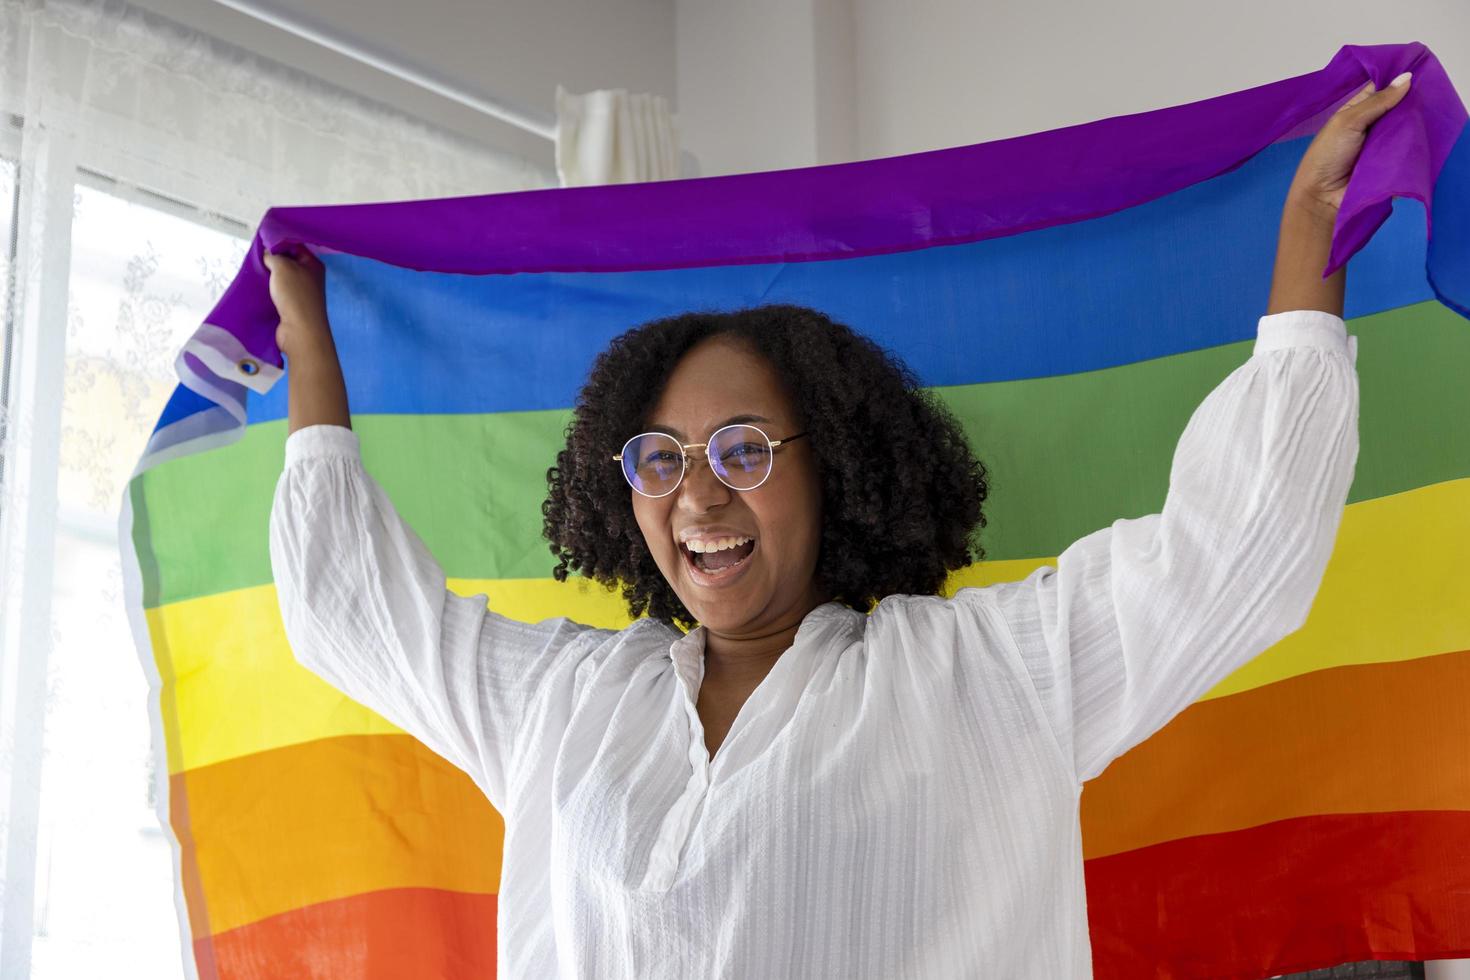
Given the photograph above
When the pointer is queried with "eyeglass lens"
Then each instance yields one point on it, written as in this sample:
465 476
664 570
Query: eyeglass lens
740 456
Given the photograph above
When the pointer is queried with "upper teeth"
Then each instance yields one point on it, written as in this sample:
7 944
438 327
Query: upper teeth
705 546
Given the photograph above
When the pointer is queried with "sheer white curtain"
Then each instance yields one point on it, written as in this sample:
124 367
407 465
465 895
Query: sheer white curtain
613 137
227 131
136 157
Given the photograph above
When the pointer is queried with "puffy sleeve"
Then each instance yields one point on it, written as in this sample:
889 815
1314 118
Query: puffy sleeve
1139 619
366 607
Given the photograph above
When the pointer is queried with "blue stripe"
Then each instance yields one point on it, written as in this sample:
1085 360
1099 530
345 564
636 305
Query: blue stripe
1178 274
184 403
1449 250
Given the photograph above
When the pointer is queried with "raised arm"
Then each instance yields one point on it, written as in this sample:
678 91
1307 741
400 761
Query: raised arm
315 391
365 605
1139 619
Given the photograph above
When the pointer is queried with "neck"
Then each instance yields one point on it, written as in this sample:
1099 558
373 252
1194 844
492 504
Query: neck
744 659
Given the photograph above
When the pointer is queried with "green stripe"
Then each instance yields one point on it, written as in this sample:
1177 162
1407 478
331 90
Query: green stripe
1067 456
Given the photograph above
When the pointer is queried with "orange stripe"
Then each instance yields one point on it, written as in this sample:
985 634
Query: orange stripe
402 934
180 818
1372 738
323 820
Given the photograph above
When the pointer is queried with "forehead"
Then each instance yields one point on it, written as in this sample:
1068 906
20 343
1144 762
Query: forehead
716 380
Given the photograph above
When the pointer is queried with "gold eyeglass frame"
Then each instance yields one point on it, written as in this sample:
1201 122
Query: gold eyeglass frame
684 455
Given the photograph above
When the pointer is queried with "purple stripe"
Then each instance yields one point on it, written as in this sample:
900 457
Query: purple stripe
965 194
1405 149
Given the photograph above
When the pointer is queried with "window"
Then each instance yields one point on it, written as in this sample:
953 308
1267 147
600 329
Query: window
144 273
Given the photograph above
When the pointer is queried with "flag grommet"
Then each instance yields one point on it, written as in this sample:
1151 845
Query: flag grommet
248 366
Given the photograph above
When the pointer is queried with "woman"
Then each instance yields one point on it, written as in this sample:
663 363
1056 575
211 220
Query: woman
794 788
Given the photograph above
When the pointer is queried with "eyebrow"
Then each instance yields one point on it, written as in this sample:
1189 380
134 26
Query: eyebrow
732 420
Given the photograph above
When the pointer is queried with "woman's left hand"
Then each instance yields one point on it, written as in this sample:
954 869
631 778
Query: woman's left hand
1323 174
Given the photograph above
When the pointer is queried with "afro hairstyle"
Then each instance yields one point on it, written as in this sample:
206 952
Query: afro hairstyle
902 492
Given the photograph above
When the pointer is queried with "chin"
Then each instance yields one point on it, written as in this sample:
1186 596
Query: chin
736 613
724 601
719 613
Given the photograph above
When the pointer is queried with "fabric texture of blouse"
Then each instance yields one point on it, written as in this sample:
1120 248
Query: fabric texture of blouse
899 796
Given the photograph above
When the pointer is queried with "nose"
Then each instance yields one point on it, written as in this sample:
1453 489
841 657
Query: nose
701 490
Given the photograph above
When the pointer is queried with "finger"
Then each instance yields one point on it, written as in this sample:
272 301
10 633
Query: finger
1358 116
1373 108
279 260
299 254
292 254
1363 93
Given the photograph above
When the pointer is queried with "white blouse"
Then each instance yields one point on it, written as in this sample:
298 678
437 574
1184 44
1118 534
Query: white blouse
899 796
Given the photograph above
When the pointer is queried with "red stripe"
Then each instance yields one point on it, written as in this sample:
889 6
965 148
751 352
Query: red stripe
1292 895
398 934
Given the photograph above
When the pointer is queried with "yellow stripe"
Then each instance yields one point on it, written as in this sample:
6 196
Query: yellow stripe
1394 590
236 688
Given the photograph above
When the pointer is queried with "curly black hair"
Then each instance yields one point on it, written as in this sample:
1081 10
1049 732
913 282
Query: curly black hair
902 492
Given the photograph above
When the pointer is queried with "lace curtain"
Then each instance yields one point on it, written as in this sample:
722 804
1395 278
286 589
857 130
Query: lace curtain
228 131
136 158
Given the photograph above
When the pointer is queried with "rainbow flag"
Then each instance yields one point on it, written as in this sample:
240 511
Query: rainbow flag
1072 295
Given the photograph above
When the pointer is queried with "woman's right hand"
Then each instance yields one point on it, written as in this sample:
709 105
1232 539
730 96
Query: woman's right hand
298 290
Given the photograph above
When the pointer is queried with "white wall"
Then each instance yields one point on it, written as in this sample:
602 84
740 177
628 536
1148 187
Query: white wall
747 85
937 73
925 74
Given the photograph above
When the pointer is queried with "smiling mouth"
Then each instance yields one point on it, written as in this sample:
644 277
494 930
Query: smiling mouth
718 564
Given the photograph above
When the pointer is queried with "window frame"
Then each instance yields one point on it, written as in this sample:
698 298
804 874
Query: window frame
33 351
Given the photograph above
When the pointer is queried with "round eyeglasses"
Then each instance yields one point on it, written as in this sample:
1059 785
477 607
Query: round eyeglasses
654 463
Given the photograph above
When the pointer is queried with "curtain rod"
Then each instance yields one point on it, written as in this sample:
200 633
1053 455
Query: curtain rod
532 122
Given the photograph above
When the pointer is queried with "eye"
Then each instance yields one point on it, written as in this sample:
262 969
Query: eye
749 456
744 449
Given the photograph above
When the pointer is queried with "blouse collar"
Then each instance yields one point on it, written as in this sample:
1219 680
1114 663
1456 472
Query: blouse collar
823 635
